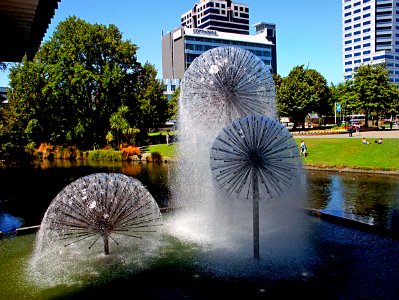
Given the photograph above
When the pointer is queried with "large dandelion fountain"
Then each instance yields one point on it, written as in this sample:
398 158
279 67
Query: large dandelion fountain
255 157
230 141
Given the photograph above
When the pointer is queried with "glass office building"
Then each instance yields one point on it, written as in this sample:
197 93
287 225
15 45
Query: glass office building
370 30
213 24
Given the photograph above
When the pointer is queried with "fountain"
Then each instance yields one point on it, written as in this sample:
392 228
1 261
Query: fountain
255 156
99 207
219 89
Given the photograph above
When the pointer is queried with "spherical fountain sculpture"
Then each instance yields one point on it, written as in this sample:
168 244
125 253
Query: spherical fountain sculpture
255 157
99 206
98 224
223 84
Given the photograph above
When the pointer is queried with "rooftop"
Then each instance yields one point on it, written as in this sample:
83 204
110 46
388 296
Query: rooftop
23 24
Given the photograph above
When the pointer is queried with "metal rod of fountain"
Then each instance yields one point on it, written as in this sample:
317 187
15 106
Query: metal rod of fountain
255 200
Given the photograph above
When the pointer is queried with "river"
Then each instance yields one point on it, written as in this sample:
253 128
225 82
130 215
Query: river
25 194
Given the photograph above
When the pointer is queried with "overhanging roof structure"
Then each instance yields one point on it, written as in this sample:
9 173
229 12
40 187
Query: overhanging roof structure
23 24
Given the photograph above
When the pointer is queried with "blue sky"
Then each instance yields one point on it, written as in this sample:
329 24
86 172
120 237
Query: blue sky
308 31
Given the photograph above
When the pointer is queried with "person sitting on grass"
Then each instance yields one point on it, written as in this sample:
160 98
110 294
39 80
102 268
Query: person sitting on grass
379 141
364 141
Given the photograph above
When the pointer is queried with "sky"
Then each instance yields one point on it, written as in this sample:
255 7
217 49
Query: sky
308 31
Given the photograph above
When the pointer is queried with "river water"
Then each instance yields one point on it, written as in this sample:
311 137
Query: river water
26 194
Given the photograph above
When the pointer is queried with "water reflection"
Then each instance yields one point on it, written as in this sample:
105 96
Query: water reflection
372 199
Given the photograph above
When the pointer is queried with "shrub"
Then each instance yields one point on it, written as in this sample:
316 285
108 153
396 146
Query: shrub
156 157
110 155
129 151
45 150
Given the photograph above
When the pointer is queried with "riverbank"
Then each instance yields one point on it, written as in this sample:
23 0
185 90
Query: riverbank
336 152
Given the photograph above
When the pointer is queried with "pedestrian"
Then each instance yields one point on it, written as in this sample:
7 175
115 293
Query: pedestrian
357 126
350 130
303 148
167 138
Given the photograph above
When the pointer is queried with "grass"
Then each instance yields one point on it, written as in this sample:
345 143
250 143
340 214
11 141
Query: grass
341 153
163 149
333 152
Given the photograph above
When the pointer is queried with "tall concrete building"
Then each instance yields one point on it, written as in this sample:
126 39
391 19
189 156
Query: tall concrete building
370 30
210 24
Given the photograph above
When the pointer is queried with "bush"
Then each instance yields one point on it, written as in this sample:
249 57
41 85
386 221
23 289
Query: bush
45 151
102 155
156 157
129 151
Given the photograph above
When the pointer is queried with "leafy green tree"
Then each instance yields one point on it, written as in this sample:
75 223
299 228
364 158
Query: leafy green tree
371 92
77 80
173 105
303 91
119 123
153 110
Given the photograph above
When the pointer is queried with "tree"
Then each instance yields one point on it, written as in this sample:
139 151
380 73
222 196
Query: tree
119 123
303 91
371 92
153 103
78 79
173 105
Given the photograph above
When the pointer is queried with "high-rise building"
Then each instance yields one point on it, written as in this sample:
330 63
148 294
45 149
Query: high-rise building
370 30
210 24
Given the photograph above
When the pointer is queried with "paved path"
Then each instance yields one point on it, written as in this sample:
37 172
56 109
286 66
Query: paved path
394 133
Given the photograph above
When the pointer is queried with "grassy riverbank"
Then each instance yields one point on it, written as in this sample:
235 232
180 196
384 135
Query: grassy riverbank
334 152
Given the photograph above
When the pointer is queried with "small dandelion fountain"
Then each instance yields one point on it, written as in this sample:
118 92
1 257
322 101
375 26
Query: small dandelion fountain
99 206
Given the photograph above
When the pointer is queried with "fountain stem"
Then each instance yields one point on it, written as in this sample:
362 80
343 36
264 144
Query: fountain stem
255 198
106 244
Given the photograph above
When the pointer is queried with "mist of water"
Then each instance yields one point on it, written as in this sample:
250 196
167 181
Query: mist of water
224 84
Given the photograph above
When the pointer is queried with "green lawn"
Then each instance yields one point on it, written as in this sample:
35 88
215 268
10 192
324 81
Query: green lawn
164 149
345 152
333 152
